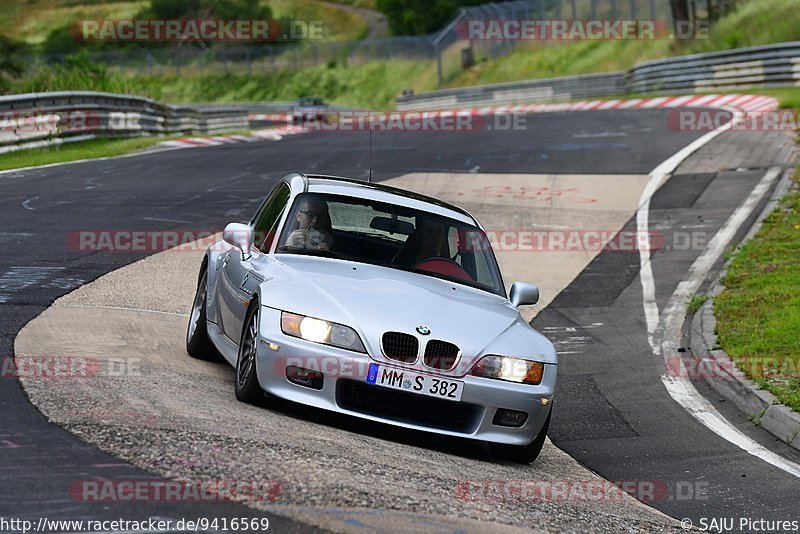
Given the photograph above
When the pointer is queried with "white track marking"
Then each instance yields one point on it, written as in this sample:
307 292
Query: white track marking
161 219
21 277
663 331
704 100
609 104
680 387
657 176
654 102
679 101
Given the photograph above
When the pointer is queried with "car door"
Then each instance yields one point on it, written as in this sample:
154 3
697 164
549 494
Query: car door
240 276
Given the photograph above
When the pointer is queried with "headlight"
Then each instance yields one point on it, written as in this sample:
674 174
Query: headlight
510 369
319 331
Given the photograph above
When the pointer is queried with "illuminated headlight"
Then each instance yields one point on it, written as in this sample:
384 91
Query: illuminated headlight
510 369
319 331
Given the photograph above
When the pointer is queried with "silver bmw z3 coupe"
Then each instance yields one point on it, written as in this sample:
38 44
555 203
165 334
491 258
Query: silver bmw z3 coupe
378 303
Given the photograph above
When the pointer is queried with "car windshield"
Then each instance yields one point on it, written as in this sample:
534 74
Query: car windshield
392 236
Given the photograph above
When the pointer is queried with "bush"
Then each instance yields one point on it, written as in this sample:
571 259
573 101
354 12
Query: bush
10 65
79 73
418 17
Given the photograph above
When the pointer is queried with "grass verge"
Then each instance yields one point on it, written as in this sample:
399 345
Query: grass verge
752 23
95 148
758 313
373 85
696 302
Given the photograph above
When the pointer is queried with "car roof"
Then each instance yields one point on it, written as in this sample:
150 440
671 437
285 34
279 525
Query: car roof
359 188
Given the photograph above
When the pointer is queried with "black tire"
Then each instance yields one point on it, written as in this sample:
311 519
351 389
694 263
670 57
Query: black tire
198 344
524 454
246 377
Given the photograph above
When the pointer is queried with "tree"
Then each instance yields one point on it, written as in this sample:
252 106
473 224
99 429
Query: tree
9 62
219 9
680 14
417 17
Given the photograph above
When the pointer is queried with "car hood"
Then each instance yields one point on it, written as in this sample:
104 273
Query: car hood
374 299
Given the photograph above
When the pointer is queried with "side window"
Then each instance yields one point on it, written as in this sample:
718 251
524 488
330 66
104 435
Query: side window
266 221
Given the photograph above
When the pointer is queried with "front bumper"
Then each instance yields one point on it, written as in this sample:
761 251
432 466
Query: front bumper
344 390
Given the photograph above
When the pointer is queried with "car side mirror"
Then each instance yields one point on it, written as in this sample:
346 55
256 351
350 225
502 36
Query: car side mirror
523 294
240 236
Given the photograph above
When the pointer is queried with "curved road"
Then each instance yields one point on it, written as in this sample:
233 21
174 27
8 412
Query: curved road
613 413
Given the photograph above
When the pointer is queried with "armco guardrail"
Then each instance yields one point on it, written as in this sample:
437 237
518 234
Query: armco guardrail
547 90
40 119
760 66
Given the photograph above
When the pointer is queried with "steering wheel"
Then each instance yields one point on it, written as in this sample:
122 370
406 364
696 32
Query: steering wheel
444 266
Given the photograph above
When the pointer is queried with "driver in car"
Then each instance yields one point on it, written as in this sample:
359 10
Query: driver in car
430 235
427 242
314 230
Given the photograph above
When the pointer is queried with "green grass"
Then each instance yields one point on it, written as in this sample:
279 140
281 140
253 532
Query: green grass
754 22
338 23
696 302
758 313
377 84
96 148
367 4
789 97
374 85
32 20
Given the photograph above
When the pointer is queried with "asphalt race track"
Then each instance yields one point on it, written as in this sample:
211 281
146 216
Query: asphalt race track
612 414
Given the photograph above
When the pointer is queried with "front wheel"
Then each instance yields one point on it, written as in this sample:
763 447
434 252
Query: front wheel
524 454
246 380
198 344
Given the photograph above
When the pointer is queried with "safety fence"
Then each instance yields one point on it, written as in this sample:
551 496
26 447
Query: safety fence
41 119
760 66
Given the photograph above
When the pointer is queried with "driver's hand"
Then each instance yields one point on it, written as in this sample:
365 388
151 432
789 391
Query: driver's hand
297 238
323 246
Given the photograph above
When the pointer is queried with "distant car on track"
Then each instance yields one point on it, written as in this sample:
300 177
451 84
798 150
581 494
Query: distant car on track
309 109
378 303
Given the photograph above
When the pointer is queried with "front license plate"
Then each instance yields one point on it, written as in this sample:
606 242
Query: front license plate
405 380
